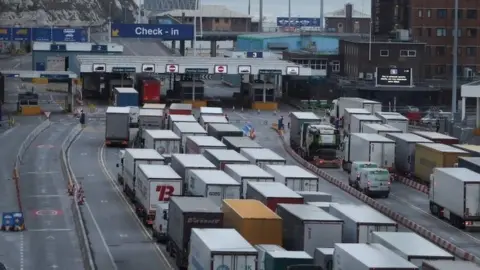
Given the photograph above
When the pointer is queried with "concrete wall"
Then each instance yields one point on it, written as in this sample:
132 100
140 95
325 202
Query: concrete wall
294 43
40 59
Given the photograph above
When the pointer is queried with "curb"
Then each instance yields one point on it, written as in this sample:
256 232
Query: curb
383 209
413 184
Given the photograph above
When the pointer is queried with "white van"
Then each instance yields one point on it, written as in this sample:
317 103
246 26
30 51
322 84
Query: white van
357 166
374 182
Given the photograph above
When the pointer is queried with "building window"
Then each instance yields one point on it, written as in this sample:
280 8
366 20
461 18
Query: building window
441 32
420 13
471 32
429 13
408 53
384 53
471 14
440 50
440 70
336 66
318 64
471 51
217 20
225 20
429 32
460 14
441 13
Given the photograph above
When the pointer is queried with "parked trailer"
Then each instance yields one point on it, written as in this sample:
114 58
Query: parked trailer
294 177
154 106
380 129
435 155
262 250
149 89
237 143
232 252
186 213
271 194
325 206
198 144
315 196
206 120
411 246
165 142
347 116
395 120
360 120
312 227
471 163
244 173
223 130
213 184
405 144
437 137
454 195
262 157
117 129
180 108
120 167
211 111
449 265
369 147
132 158
253 220
288 260
155 184
183 163
125 97
324 258
368 257
340 104
222 157
474 150
360 221
185 129
151 119
174 118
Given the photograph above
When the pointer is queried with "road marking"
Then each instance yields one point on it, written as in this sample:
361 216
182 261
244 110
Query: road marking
50 237
49 230
8 131
22 251
39 172
108 175
95 222
46 196
16 65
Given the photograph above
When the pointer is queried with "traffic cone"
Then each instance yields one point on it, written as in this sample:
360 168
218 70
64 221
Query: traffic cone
258 111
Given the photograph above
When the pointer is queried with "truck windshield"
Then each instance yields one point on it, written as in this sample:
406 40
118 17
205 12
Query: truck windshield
367 165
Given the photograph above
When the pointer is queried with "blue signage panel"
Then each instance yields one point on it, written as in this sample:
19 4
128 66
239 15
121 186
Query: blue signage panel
297 21
254 54
42 34
5 34
160 31
69 35
21 34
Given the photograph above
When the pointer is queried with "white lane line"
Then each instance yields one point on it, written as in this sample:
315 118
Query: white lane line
22 251
49 230
89 210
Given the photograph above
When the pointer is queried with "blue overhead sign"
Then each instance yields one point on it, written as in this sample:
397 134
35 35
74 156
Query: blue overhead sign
159 31
297 21
45 34
254 54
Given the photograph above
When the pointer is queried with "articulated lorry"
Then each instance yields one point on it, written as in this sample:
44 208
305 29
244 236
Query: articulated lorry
339 106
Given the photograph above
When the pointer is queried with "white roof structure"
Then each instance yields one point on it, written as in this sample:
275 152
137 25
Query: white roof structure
206 11
340 13
160 64
38 74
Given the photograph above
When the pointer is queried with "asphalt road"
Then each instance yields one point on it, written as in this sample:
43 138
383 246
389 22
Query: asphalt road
119 241
50 241
10 141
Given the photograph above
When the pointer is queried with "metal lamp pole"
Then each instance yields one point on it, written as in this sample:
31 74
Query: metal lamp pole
455 61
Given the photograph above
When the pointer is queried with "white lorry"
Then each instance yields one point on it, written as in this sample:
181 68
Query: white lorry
380 129
222 157
150 119
213 184
338 106
211 111
395 120
405 145
294 177
160 224
347 116
360 221
166 142
358 121
232 252
454 195
154 106
198 144
131 159
185 129
179 118
411 246
237 143
368 257
205 120
368 147
155 184
262 157
184 163
313 227
117 128
262 250
315 196
324 258
244 173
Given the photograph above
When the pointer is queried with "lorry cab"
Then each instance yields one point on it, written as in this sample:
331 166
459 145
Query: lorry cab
134 113
357 166
160 223
121 154
374 181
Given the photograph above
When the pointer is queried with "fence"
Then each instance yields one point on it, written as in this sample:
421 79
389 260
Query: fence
84 242
463 130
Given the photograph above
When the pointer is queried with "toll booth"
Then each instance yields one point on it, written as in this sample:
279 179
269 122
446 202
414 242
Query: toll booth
189 88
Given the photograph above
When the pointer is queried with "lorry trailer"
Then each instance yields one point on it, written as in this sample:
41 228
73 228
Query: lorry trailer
185 129
180 108
360 221
358 122
223 130
151 119
154 106
411 246
120 167
471 163
368 257
395 120
262 250
237 143
325 206
186 213
271 194
474 150
262 157
437 137
211 111
149 89
117 128
294 177
174 118
155 184
183 163
207 252
315 196
288 260
244 173
449 265
324 258
380 129
347 116
454 195
313 227
206 120
165 142
405 144
125 97
198 144
369 147
339 105
213 184
222 157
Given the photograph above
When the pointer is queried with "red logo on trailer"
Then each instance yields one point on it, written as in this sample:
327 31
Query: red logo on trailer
165 192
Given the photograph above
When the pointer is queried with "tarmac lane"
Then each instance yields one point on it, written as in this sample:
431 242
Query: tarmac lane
118 239
50 241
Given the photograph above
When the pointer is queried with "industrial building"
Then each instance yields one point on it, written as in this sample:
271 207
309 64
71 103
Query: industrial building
347 20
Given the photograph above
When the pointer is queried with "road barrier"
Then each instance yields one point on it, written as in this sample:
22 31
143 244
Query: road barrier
381 208
81 230
21 152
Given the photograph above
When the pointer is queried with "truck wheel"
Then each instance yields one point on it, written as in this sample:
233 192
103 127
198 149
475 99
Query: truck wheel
434 209
167 247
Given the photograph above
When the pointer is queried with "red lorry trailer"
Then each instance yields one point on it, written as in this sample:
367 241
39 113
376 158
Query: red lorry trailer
149 89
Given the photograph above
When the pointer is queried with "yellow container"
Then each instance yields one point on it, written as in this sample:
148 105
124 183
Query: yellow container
253 220
196 103
474 150
265 106
31 110
431 155
39 80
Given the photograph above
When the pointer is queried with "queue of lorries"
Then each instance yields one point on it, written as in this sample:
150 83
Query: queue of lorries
218 200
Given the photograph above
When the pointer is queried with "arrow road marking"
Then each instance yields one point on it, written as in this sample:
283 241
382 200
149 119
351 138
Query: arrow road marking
50 237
